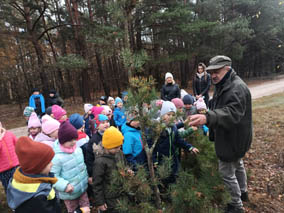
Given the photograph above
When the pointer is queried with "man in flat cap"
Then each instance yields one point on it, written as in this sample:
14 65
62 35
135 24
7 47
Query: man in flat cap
230 127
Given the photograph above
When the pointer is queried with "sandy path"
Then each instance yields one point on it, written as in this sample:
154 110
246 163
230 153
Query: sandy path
264 88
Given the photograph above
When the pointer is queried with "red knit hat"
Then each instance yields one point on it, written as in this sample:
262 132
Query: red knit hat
66 132
33 156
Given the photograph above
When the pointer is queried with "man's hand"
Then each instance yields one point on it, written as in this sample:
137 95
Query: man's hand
197 120
195 151
103 207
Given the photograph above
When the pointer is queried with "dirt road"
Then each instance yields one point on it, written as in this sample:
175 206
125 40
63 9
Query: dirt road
258 90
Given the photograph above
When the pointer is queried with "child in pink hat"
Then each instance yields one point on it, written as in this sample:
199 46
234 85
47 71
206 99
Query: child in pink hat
34 126
49 132
59 113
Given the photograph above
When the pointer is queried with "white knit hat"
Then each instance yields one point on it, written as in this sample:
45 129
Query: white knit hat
110 99
168 107
169 75
88 107
200 104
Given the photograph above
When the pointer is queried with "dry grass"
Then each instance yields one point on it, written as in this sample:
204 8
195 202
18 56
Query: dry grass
265 158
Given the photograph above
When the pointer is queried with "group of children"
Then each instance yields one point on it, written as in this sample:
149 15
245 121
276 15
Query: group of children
73 158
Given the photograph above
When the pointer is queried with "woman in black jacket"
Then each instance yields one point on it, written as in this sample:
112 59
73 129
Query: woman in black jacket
201 83
170 90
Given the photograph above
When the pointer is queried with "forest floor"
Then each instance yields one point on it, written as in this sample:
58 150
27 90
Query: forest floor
264 161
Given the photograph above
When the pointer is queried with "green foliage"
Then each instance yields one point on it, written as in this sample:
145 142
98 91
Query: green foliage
71 62
199 187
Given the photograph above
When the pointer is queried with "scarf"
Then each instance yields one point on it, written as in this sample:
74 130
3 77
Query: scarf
68 150
32 102
21 178
199 75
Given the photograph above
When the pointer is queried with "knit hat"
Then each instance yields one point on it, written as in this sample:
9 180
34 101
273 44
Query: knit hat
178 103
107 109
34 121
169 75
28 111
66 132
103 98
188 99
76 120
99 118
33 156
159 103
117 100
52 91
49 110
112 138
97 110
200 104
58 112
123 94
49 124
87 107
110 99
168 107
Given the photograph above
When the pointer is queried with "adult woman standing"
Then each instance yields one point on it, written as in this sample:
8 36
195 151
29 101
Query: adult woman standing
201 83
170 89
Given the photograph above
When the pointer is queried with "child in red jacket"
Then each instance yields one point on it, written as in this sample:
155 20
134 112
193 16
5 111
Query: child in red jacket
8 158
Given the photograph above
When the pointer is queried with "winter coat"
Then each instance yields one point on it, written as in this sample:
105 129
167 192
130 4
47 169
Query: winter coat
82 142
170 91
69 169
104 165
8 157
43 138
191 111
55 100
87 118
37 102
33 197
119 117
167 145
132 147
90 156
201 86
230 118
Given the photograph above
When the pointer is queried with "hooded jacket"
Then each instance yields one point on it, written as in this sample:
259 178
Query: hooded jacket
32 193
8 157
119 117
132 145
104 166
69 168
230 118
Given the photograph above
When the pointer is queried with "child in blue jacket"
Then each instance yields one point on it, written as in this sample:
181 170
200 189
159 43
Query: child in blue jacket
132 147
169 142
118 114
70 170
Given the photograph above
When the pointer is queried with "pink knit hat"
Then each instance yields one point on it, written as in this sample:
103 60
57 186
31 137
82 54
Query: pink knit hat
178 103
200 104
49 124
58 112
107 109
97 110
159 103
34 121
